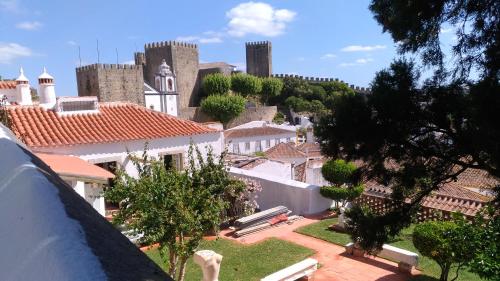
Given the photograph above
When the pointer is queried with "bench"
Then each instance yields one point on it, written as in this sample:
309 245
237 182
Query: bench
406 260
303 269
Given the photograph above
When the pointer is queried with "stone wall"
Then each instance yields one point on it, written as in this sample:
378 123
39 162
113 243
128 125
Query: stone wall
259 58
183 58
261 113
111 82
313 80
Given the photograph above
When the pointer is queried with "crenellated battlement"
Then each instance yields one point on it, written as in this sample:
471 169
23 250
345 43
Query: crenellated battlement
322 79
169 43
258 43
107 66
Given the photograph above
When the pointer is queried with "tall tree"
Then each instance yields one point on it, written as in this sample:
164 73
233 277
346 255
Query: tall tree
245 84
415 137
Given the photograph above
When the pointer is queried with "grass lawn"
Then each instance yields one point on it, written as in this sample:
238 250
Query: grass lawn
430 269
245 262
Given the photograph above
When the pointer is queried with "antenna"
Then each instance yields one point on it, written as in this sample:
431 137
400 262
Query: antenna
98 59
79 56
116 49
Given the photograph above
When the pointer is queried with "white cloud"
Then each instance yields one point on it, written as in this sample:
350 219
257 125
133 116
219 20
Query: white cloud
29 25
71 43
258 18
328 56
201 40
359 48
356 62
12 51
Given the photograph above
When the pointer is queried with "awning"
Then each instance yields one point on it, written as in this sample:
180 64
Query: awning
73 167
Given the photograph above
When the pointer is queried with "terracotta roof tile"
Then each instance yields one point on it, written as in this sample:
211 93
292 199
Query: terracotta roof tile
256 131
114 122
4 85
310 149
72 166
284 150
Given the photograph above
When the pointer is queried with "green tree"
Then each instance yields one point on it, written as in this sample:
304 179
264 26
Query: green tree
447 243
223 108
345 182
216 84
430 132
245 84
298 104
271 88
336 87
174 209
279 118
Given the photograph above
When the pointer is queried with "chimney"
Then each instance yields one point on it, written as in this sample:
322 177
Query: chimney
46 90
23 93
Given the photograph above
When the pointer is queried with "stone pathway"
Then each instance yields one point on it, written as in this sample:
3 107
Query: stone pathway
335 265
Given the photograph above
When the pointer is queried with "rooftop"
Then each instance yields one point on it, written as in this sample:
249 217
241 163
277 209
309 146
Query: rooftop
256 131
114 122
284 150
9 84
71 166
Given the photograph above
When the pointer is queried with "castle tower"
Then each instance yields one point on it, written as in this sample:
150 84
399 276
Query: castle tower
259 58
183 58
46 90
23 93
139 58
165 100
111 82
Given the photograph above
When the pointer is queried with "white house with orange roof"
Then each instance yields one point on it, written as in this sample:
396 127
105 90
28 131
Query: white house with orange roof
105 133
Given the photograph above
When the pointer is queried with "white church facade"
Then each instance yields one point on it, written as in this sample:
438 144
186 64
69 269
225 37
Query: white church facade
163 97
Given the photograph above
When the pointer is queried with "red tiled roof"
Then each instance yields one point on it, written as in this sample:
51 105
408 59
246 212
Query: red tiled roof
71 166
257 131
284 150
115 122
7 85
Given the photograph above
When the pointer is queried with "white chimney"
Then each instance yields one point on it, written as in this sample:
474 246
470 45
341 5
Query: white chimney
46 90
23 93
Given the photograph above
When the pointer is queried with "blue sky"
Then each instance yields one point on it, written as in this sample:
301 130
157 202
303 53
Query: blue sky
311 38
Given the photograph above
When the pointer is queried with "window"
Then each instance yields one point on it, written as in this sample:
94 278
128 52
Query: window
268 143
173 161
247 146
257 146
236 148
170 86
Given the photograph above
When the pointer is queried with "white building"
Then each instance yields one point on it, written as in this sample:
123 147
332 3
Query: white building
248 141
17 91
104 133
163 97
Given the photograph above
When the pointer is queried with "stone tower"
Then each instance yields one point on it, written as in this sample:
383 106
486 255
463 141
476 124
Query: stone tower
111 82
183 58
259 58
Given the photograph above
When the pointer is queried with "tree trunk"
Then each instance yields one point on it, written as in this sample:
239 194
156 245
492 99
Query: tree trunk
445 269
182 270
173 259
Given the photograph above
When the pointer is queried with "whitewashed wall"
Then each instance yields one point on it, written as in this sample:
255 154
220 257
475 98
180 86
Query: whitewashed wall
263 142
106 152
301 198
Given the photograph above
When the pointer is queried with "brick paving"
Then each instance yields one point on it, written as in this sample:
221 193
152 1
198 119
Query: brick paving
335 264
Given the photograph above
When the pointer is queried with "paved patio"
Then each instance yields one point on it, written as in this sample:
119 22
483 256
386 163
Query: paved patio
335 265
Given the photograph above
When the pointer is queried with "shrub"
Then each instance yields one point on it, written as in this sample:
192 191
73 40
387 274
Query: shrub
271 88
339 171
245 84
445 242
344 177
216 84
279 118
223 108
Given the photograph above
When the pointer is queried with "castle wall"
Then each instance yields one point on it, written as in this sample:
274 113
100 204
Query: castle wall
314 80
259 58
111 82
183 58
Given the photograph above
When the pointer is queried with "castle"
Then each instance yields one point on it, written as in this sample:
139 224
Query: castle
138 83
